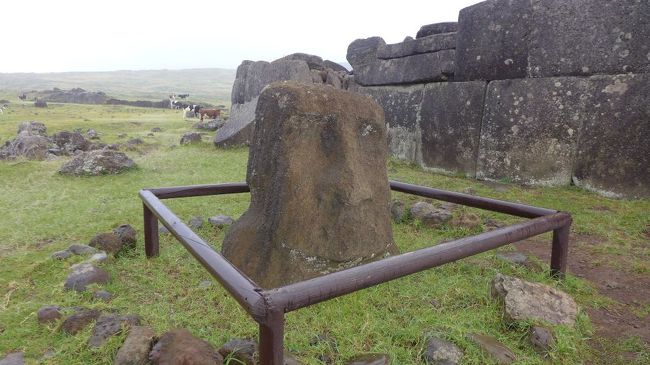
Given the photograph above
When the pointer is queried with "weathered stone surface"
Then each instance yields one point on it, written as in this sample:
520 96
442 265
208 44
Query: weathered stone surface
14 358
108 242
428 44
48 314
242 350
239 128
429 214
364 51
179 347
102 295
252 77
498 351
84 275
98 162
586 37
33 128
191 138
335 66
313 62
209 125
92 134
397 210
221 221
450 123
127 234
530 130
425 67
70 142
320 150
442 352
32 147
613 156
524 300
493 40
79 320
61 255
109 325
466 220
542 339
136 347
401 106
369 359
195 222
436 28
82 250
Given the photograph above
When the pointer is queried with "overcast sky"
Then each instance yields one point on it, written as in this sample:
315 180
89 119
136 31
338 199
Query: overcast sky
88 35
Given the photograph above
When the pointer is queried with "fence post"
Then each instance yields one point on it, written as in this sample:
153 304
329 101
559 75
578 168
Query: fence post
560 251
151 243
272 339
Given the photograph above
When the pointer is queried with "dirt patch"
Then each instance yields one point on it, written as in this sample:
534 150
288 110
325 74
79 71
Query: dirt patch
613 278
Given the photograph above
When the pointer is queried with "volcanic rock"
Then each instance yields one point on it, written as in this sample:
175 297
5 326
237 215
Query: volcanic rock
98 162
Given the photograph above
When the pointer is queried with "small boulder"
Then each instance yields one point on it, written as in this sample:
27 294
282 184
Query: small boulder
195 222
156 129
495 349
241 350
97 162
102 295
180 347
190 138
429 214
524 300
542 339
220 221
70 142
370 359
92 134
61 255
82 250
397 210
109 325
84 275
32 128
108 242
48 314
134 141
14 358
210 125
136 347
79 320
441 352
32 147
127 234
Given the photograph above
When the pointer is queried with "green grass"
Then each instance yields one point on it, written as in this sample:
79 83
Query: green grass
45 212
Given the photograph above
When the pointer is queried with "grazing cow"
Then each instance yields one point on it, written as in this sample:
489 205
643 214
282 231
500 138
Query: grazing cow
22 97
211 113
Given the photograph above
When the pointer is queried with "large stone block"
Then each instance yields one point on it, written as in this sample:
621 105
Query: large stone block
530 130
493 40
437 28
614 150
363 51
433 43
450 121
437 66
401 106
586 37
319 187
239 128
252 77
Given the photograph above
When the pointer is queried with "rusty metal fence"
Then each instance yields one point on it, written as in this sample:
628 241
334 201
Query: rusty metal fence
268 306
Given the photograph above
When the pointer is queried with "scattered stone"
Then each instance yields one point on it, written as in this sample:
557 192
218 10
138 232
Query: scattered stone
524 300
82 250
498 351
38 103
109 325
136 347
33 128
397 210
441 352
191 137
79 320
466 220
210 125
542 339
180 347
84 275
221 221
337 138
97 162
98 257
156 129
108 242
241 350
61 255
92 134
195 222
70 142
516 258
32 147
49 313
429 214
370 359
134 141
127 234
14 358
103 295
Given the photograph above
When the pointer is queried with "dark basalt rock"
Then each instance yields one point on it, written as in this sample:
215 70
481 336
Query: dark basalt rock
179 347
436 28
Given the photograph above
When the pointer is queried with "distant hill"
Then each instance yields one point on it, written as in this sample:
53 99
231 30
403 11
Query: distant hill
212 85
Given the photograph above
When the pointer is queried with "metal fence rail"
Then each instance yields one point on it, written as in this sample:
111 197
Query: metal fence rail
268 306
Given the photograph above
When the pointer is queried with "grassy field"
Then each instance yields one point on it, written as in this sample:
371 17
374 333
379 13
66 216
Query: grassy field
210 85
44 212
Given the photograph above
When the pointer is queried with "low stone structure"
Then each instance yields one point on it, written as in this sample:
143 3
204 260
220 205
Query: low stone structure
319 150
533 92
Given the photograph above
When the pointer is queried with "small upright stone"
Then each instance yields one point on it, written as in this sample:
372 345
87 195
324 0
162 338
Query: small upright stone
109 325
542 339
108 242
127 234
136 347
190 138
84 275
48 313
221 221
79 320
441 352
429 214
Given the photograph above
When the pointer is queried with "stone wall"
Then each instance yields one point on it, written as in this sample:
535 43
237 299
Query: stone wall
539 92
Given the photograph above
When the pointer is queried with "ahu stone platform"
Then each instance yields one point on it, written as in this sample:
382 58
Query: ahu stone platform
552 92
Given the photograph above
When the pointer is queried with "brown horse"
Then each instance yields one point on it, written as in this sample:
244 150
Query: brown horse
211 113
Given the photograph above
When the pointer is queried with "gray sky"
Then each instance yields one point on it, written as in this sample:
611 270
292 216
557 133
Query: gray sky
90 35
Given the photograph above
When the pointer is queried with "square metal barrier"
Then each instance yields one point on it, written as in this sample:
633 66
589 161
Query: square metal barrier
268 306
